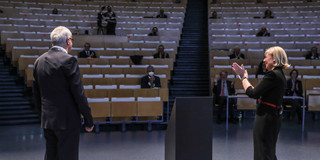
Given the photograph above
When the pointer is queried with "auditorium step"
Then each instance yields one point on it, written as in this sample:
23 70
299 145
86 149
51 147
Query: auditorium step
190 76
15 106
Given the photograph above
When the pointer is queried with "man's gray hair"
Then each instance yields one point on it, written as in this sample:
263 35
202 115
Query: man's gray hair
150 67
60 35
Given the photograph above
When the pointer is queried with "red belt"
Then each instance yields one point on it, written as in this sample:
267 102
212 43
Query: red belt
269 104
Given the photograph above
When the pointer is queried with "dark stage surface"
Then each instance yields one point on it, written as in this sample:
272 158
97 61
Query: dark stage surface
27 142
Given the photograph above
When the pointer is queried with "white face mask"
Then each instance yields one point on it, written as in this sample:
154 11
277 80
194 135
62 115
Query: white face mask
151 73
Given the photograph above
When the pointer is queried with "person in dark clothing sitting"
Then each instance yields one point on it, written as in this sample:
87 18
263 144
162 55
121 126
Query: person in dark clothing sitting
154 32
313 54
221 89
150 80
214 15
161 14
268 14
261 69
263 32
87 52
294 88
55 11
236 54
161 53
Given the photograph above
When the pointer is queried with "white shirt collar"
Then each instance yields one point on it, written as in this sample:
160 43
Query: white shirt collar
60 48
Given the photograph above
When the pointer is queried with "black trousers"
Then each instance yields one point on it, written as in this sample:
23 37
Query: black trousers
266 128
62 144
222 102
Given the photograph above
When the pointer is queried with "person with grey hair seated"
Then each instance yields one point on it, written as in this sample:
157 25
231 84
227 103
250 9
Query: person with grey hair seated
150 80
59 96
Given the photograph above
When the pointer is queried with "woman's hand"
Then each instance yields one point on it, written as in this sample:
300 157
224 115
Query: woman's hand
240 71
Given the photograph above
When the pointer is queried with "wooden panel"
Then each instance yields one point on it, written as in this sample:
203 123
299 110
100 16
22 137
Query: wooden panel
146 92
149 108
100 109
314 102
164 94
103 81
128 81
310 83
96 93
120 93
123 109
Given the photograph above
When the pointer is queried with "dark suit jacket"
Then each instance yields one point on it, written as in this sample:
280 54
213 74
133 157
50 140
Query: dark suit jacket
163 16
233 56
298 85
83 54
58 91
145 81
158 55
309 56
217 90
271 89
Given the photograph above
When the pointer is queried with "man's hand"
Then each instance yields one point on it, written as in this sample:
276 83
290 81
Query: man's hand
89 129
151 79
214 79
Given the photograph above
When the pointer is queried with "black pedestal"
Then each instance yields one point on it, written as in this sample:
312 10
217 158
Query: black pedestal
189 132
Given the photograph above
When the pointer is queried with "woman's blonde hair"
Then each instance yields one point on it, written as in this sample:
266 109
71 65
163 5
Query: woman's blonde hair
279 56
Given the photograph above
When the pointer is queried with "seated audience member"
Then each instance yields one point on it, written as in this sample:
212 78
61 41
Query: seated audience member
236 54
161 53
87 52
294 88
221 89
268 14
263 32
213 2
214 15
110 18
259 1
313 54
261 69
154 32
55 11
150 80
161 14
309 0
1 11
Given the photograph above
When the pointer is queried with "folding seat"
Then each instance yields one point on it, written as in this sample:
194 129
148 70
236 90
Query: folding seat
246 103
104 81
105 86
23 63
96 93
113 71
120 93
114 75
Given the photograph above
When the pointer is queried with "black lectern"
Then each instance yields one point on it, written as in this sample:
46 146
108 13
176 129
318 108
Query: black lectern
189 132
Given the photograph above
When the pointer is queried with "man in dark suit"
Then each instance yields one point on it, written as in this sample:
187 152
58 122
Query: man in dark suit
59 95
294 88
161 14
313 54
161 53
150 80
87 52
221 89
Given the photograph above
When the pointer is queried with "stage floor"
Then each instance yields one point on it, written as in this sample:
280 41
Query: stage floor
27 142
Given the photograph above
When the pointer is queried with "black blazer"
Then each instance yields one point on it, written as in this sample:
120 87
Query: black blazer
83 54
233 56
159 55
58 91
271 89
145 81
217 89
309 56
298 88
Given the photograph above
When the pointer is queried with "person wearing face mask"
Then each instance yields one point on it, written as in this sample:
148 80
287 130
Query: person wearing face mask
294 88
270 92
161 53
150 80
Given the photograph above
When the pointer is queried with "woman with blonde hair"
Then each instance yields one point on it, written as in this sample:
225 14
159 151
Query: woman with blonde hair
270 92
